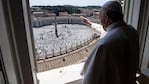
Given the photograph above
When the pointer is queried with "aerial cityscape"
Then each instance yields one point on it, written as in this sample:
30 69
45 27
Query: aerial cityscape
59 29
62 40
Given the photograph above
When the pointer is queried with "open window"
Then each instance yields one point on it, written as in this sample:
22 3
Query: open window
20 63
62 41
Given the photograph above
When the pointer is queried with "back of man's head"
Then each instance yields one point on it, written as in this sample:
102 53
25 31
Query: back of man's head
113 9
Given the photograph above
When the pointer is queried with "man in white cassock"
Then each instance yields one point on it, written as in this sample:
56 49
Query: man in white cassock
115 57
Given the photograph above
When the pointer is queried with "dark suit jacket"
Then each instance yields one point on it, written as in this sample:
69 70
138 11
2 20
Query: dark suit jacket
115 58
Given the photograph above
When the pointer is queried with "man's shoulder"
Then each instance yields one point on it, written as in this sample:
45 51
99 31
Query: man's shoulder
119 34
105 40
112 36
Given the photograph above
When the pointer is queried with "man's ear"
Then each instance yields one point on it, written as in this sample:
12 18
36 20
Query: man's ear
106 18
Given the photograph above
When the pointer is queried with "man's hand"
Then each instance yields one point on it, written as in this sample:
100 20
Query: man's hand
86 21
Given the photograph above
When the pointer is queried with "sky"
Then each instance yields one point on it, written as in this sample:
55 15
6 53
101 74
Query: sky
68 2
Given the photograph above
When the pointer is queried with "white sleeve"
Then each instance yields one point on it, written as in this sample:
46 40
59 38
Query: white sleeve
98 28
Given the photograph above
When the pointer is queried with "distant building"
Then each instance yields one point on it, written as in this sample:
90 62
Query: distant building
96 15
43 21
63 14
78 14
87 12
42 14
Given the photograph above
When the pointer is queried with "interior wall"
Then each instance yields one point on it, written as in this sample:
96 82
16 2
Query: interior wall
145 62
143 35
132 12
136 13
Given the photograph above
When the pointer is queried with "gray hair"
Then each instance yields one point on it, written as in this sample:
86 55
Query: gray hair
113 9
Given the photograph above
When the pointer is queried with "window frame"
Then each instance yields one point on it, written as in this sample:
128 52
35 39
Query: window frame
16 43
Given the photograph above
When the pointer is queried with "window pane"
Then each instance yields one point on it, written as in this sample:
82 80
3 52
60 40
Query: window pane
62 40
